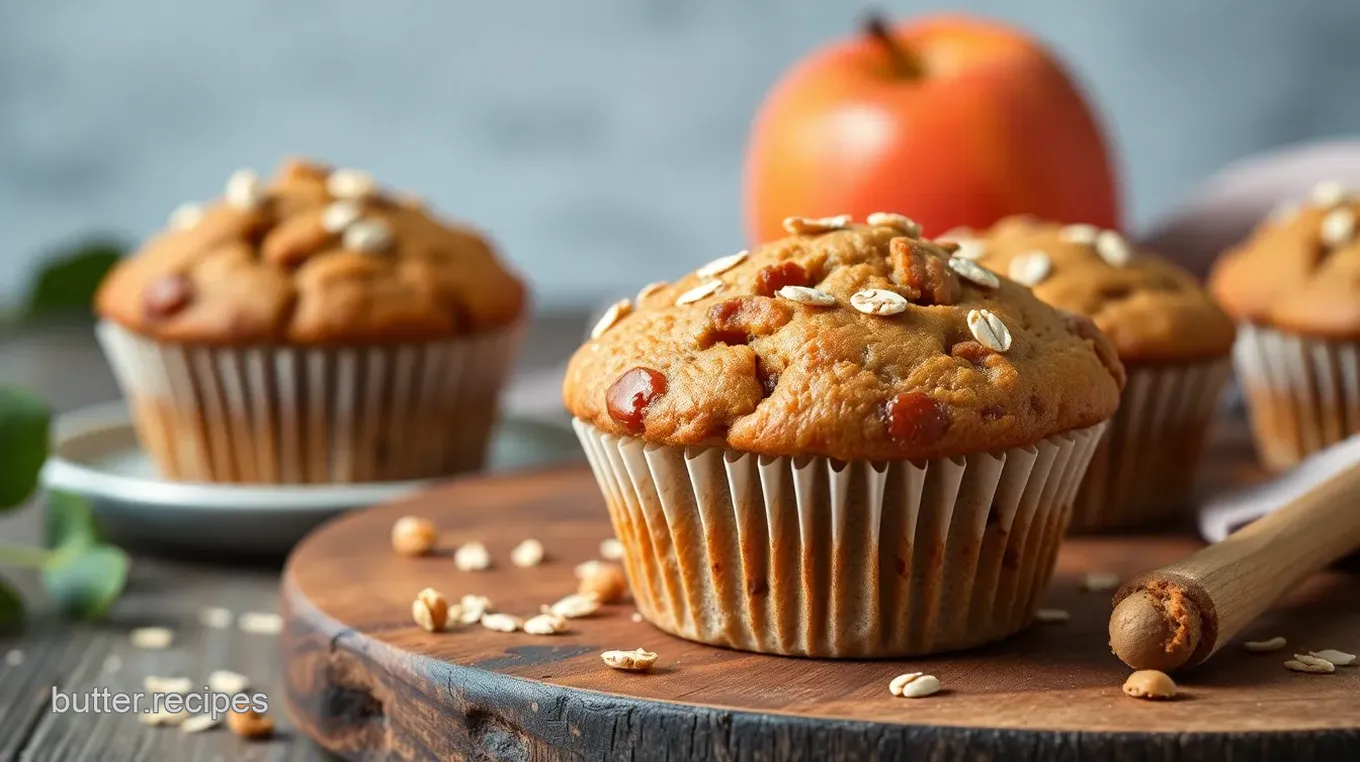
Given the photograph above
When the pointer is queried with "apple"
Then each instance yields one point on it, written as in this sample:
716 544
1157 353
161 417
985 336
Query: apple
952 120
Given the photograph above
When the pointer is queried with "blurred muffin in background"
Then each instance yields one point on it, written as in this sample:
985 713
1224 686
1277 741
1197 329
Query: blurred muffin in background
1174 342
1294 287
313 328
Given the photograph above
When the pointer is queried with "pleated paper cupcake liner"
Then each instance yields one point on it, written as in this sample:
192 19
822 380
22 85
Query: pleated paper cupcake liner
1303 393
291 415
1144 468
816 557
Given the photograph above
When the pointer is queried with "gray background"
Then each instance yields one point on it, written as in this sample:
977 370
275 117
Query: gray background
599 140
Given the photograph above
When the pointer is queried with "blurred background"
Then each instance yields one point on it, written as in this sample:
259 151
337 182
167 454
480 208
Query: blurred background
608 131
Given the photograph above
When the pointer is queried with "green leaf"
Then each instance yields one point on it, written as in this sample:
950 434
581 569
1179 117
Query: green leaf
84 582
70 522
24 419
67 283
11 605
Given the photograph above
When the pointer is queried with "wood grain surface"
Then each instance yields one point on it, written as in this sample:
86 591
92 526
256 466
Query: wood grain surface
367 683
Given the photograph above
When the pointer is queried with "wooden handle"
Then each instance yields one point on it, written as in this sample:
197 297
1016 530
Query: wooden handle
1179 615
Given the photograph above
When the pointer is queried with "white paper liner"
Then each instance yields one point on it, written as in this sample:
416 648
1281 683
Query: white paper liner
817 557
1303 393
291 415
1144 468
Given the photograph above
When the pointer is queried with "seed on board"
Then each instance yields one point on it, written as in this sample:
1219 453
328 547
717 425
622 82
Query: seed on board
244 190
805 295
155 684
611 316
649 289
339 215
350 183
185 216
14 657
1099 582
1112 248
637 617
989 330
151 637
198 723
250 724
630 661
1150 684
545 624
970 249
699 292
260 623
909 227
576 605
1052 616
528 553
914 685
813 225
1306 663
215 617
1337 658
611 549
472 556
1265 646
1030 269
367 235
501 622
226 681
430 610
606 582
970 270
414 536
721 264
1082 234
1338 227
877 301
1328 193
472 608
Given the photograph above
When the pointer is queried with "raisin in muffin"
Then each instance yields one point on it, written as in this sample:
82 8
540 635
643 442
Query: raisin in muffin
1173 340
1294 288
844 443
311 329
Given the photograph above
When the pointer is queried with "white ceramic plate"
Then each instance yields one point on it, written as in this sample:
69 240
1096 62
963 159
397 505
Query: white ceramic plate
95 453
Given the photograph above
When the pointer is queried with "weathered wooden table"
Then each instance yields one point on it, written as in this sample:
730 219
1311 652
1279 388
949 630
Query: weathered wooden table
64 363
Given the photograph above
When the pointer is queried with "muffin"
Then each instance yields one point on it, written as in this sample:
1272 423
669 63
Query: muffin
1293 286
844 443
312 329
1175 344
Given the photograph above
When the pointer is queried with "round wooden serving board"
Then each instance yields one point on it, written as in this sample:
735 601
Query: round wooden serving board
367 683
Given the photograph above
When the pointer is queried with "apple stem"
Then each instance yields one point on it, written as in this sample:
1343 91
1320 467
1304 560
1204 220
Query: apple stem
904 62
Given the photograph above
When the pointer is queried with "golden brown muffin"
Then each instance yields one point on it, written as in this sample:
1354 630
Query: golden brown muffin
316 256
740 353
1153 310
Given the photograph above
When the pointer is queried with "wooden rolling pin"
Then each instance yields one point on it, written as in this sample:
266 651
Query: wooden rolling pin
1179 615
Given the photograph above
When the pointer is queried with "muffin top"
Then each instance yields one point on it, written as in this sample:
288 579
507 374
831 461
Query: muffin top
857 342
1299 270
1153 310
315 256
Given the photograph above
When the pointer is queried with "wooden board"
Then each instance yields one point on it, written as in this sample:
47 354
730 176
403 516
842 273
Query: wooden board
365 682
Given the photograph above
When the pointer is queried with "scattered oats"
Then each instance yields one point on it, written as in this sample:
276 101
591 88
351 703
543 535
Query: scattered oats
805 295
699 292
1112 248
1150 684
215 617
1338 227
1337 658
545 624
151 637
721 264
1099 582
414 536
813 225
186 216
649 289
1328 193
1265 646
339 215
1030 269
970 249
630 661
430 610
914 685
611 549
180 685
14 657
198 723
1052 616
226 681
350 183
367 236
957 235
877 301
528 553
989 330
244 190
576 605
472 557
472 608
973 271
1082 234
911 228
637 616
113 664
260 623
1306 663
162 717
611 316
501 622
